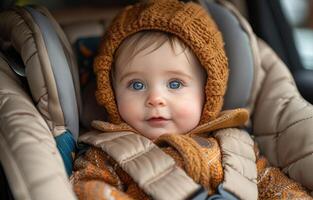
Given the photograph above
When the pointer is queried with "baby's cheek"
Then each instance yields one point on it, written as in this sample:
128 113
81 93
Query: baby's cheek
189 115
129 110
185 112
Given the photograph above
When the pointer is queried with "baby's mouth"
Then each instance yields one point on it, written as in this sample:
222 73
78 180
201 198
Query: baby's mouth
157 121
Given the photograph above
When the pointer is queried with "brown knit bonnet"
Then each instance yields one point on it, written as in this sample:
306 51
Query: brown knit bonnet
189 22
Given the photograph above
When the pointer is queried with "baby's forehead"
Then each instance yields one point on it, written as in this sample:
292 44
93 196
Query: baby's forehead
147 42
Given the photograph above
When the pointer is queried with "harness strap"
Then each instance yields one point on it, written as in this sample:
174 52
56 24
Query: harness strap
140 158
195 161
239 162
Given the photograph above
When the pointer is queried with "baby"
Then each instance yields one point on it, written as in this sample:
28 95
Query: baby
158 84
162 74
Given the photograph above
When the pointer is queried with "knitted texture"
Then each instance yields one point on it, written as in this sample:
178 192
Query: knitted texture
195 161
189 22
274 185
108 127
98 176
201 158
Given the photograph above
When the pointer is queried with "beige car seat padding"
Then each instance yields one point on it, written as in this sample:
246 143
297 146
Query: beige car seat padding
281 124
9 164
283 120
26 38
28 151
68 53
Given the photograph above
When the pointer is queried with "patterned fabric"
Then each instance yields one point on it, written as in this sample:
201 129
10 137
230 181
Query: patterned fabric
97 176
274 185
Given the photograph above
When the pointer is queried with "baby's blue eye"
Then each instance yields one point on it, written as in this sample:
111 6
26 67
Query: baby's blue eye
137 85
174 84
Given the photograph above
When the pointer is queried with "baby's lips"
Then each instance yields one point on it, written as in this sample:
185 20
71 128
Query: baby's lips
156 118
157 121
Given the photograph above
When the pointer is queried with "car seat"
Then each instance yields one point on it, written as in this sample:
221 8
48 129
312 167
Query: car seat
42 114
29 155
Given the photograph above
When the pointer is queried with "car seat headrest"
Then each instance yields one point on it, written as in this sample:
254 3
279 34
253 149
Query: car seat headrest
239 53
48 66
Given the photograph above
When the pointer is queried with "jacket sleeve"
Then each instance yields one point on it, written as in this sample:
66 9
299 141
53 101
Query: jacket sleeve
283 120
241 156
95 177
274 184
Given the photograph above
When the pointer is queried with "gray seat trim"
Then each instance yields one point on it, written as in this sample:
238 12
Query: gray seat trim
61 71
239 55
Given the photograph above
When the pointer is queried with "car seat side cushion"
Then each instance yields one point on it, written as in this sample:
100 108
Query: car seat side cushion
61 71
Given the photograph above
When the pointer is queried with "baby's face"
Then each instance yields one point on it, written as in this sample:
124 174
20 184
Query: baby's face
160 92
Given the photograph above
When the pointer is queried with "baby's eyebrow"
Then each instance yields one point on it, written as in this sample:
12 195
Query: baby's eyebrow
179 73
127 74
171 72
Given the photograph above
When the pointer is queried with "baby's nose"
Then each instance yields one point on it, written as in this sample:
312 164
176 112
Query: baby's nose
155 99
